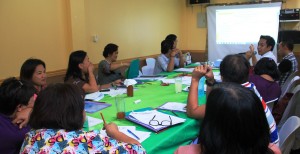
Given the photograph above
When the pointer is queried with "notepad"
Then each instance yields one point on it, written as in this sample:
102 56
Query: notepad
173 106
96 96
143 118
91 107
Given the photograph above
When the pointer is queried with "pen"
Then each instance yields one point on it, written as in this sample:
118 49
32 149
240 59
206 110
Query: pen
174 113
133 134
102 118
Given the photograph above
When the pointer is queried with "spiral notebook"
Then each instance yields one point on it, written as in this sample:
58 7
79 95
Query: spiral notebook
147 117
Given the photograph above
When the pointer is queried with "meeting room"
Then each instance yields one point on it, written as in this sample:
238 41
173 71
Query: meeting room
157 77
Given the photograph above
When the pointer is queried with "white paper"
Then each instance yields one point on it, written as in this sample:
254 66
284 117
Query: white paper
187 89
93 121
184 70
141 134
217 76
96 96
168 80
146 116
149 78
174 106
129 82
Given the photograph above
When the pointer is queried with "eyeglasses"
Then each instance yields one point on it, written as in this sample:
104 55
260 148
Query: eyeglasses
153 122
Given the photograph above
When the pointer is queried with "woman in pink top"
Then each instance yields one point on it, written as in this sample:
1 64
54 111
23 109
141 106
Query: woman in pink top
234 123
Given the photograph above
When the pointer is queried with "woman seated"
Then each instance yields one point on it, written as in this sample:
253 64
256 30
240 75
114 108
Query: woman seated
108 71
264 78
57 120
15 96
169 58
34 71
81 72
234 122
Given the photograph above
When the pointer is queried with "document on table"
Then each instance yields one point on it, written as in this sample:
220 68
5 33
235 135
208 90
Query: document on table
144 118
184 70
96 96
150 78
113 92
186 80
140 134
93 121
174 106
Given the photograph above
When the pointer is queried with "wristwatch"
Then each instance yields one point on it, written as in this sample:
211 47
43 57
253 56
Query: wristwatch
210 83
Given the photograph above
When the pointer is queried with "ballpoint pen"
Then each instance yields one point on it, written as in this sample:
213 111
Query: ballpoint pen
174 113
133 134
102 118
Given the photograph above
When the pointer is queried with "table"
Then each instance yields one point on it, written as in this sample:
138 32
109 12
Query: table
154 95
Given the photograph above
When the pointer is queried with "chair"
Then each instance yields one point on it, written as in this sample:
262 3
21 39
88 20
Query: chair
149 68
288 82
150 62
288 133
289 87
292 109
134 69
271 103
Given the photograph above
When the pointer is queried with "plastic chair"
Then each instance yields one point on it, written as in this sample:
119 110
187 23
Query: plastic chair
288 133
147 70
150 62
134 69
288 82
290 86
292 109
271 103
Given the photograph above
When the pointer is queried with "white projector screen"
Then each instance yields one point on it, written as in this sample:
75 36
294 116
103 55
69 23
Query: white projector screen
232 28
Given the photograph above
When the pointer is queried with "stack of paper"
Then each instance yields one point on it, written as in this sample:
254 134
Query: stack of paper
173 106
138 135
184 70
145 118
96 96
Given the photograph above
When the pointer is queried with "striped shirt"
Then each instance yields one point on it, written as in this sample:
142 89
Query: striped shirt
284 76
274 138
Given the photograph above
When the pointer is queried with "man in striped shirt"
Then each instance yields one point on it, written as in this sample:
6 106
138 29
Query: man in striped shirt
286 50
234 68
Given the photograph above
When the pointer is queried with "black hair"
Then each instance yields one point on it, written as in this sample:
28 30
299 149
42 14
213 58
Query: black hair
289 44
234 122
75 59
267 66
171 38
109 49
166 45
269 41
235 68
14 92
28 68
285 66
59 106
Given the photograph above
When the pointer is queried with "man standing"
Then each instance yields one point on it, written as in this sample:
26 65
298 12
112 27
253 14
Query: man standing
286 50
265 47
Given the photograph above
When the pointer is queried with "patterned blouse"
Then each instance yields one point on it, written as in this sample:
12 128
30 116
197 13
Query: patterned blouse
44 141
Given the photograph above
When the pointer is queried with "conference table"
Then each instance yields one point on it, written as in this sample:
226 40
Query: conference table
152 95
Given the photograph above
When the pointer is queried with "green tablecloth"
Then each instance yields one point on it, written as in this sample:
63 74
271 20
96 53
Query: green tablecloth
154 95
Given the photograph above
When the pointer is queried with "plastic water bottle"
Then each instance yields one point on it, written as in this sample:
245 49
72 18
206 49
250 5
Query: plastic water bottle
201 87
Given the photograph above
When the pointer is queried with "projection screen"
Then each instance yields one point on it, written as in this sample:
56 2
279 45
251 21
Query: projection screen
232 28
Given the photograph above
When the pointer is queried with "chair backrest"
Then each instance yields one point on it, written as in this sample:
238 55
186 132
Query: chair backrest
289 86
270 104
134 69
287 134
150 62
288 81
147 70
291 109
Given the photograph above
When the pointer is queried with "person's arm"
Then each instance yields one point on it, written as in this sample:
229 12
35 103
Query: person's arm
113 131
21 117
193 110
114 66
210 80
274 148
181 59
171 63
251 55
91 86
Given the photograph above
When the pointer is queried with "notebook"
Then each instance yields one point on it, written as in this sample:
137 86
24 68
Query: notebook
91 107
173 106
146 116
